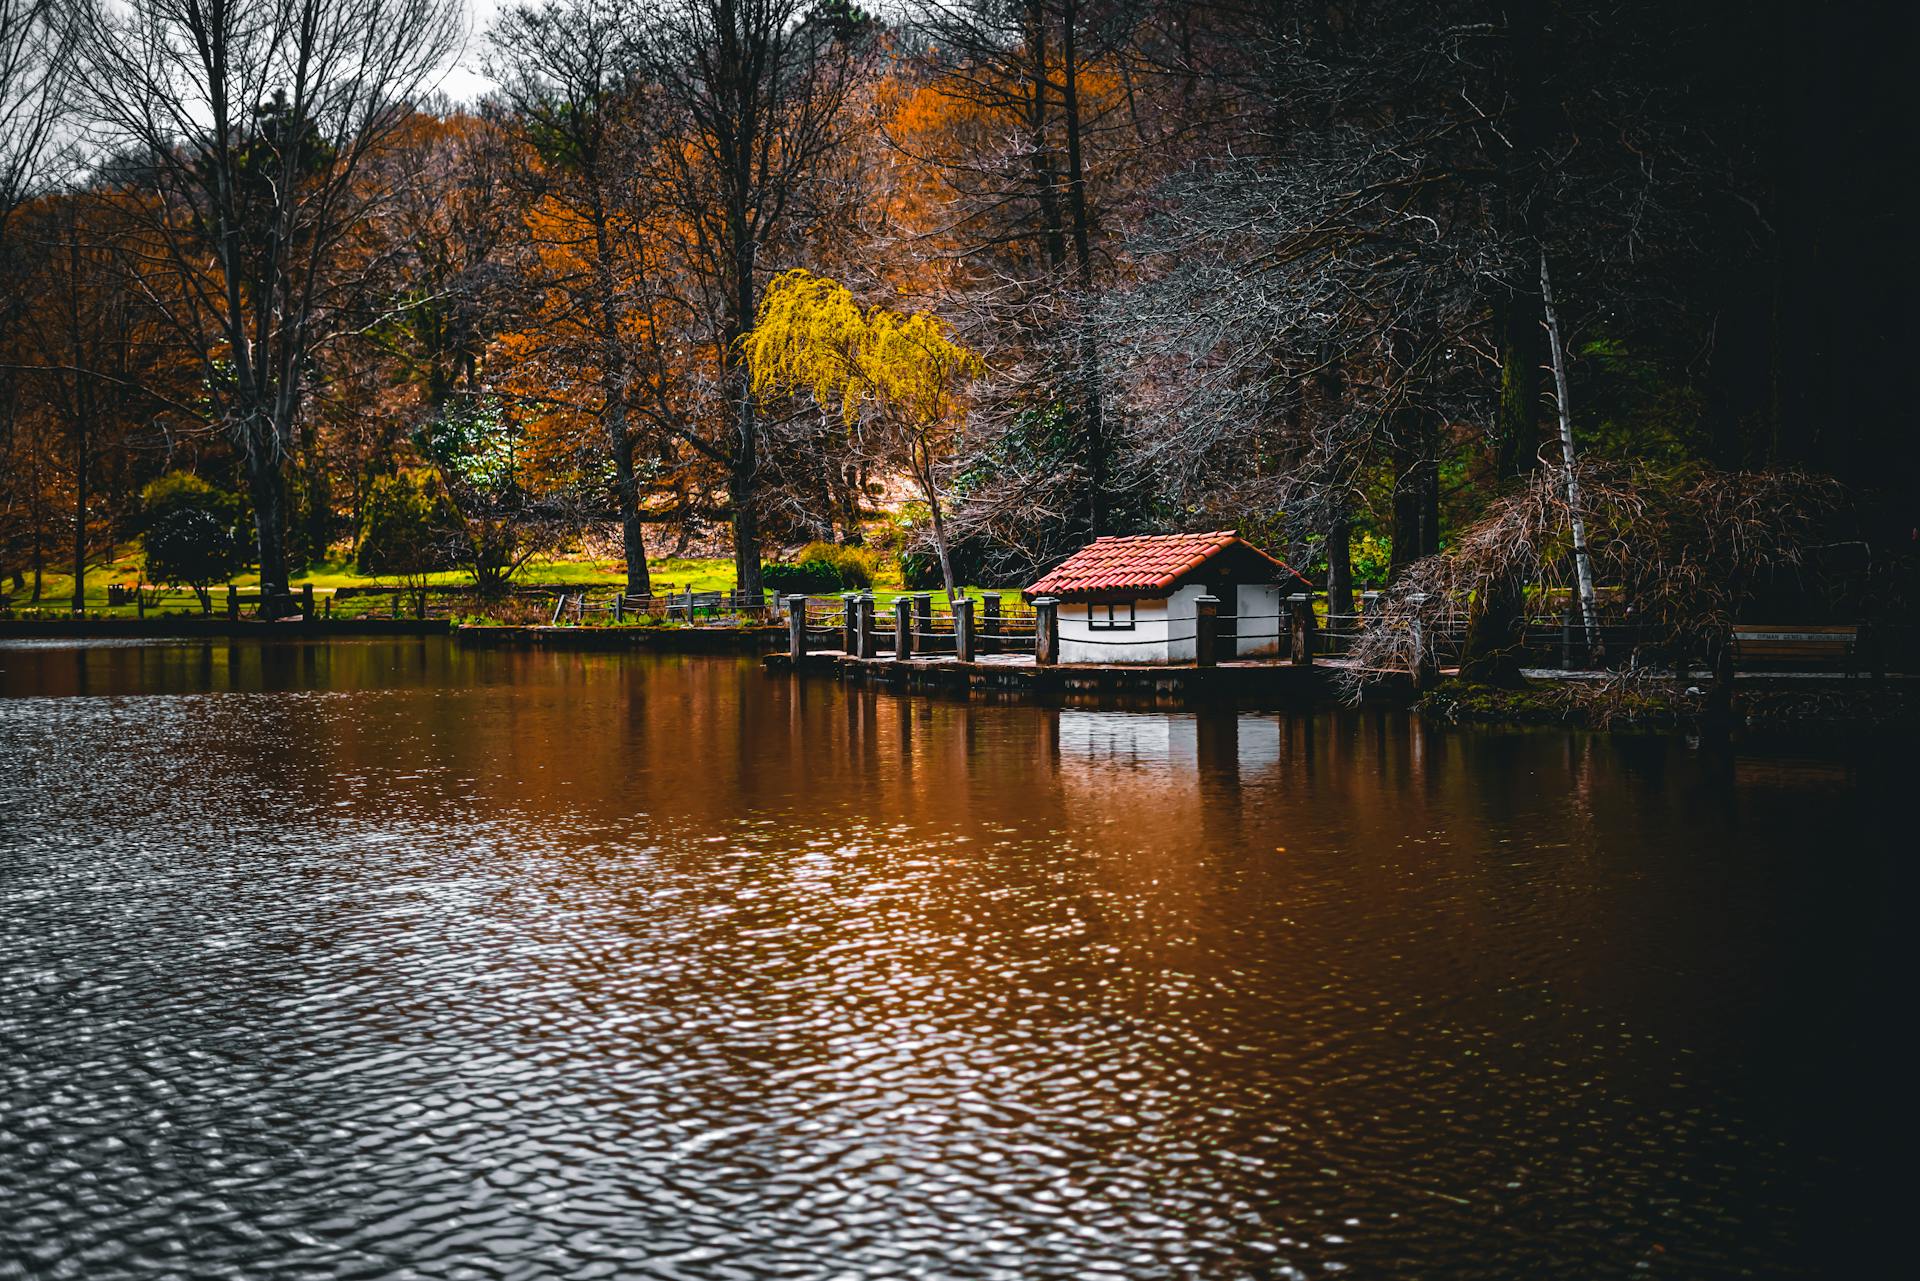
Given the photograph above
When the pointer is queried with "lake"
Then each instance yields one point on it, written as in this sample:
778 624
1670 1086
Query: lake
389 958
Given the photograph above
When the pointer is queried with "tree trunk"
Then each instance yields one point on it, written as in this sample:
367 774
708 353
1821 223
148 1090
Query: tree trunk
1496 624
80 520
1046 185
1583 566
613 405
1340 564
746 530
932 495
1093 420
267 487
1416 489
632 530
1491 651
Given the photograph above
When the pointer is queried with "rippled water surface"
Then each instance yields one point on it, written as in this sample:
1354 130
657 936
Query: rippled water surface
392 959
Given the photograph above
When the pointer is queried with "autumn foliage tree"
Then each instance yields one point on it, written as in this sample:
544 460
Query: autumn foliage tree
897 381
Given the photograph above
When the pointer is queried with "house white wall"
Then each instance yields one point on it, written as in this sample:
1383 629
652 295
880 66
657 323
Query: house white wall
1262 626
1145 643
1162 631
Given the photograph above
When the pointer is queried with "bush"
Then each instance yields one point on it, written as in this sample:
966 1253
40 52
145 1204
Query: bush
819 569
784 579
193 533
408 527
921 570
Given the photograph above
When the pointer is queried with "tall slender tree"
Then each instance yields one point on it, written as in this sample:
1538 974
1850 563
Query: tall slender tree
252 121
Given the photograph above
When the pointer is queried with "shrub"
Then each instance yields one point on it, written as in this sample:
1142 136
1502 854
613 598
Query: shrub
408 527
820 568
193 533
849 567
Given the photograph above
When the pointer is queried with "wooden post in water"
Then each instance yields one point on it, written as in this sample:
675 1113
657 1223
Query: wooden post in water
1303 630
1206 629
306 601
233 602
902 629
849 623
963 629
1046 630
797 627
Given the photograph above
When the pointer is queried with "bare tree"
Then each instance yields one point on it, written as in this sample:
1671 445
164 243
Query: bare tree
749 107
574 102
35 62
252 121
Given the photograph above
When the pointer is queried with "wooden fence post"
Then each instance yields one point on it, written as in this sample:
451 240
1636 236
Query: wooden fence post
1206 629
849 623
990 623
902 628
306 601
1303 629
619 605
1046 630
797 627
863 633
963 629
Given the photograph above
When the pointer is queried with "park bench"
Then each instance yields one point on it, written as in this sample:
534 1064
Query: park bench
1801 646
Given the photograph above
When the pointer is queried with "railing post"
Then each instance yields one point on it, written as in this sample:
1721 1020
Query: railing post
990 623
797 627
1206 629
233 602
902 629
863 626
306 601
1046 630
1303 629
619 604
963 629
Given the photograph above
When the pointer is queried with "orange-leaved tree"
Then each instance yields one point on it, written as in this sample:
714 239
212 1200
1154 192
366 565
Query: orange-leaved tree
897 380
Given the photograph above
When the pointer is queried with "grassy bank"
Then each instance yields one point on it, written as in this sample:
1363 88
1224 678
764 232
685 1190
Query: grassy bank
343 591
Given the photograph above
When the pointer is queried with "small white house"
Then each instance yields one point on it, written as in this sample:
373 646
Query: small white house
1130 599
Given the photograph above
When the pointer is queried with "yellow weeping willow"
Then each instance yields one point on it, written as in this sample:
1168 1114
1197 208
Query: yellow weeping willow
896 381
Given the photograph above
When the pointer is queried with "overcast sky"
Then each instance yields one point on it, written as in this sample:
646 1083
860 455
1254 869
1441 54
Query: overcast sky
463 82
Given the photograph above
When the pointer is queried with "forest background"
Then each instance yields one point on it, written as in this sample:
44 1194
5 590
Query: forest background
271 308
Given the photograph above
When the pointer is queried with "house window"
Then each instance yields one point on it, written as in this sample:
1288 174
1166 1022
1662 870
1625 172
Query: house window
1110 618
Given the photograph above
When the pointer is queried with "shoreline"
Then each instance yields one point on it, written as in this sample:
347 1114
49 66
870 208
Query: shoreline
687 640
1794 704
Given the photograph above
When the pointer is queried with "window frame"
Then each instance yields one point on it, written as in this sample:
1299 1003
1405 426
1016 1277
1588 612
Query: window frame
1111 623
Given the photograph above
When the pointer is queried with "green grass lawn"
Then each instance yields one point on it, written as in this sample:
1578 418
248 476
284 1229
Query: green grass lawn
670 574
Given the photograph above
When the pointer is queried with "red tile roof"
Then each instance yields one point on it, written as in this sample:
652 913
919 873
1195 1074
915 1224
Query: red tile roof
1147 563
